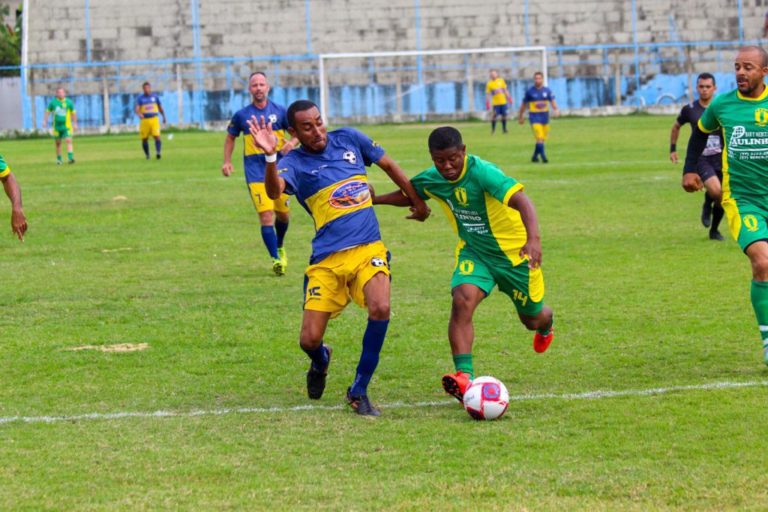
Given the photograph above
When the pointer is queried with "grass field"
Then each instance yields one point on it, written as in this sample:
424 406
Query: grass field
213 414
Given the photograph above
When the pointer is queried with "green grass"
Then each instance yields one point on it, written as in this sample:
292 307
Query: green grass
643 300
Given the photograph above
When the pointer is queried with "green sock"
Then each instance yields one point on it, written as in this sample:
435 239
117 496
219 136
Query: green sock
71 156
58 157
463 363
759 296
547 330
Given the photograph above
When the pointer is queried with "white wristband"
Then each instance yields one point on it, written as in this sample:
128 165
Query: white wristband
271 158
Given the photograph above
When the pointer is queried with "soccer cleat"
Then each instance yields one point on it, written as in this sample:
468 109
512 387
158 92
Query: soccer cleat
58 162
71 161
541 341
147 157
544 160
535 159
455 384
706 214
316 378
283 257
278 267
158 156
361 404
715 235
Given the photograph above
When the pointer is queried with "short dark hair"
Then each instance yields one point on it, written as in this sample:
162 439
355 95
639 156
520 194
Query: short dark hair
539 73
706 76
256 73
445 137
145 84
298 106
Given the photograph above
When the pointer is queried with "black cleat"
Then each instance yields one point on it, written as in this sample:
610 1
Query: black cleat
158 156
715 235
544 160
71 161
316 379
534 160
362 405
706 214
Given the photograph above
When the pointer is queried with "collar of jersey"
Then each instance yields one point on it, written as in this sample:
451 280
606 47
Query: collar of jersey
762 96
463 170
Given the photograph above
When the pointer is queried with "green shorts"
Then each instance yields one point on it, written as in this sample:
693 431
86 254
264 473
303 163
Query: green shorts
523 285
748 223
61 132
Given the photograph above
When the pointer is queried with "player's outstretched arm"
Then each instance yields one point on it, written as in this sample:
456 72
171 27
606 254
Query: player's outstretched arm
265 139
419 209
673 135
532 248
18 220
395 198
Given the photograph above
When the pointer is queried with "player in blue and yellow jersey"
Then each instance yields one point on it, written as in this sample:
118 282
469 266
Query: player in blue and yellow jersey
537 100
274 215
328 177
499 245
149 108
64 123
497 100
742 114
12 190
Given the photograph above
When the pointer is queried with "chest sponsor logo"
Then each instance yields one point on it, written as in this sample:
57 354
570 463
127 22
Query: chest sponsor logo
349 195
748 145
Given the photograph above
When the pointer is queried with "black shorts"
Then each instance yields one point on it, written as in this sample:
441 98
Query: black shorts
709 166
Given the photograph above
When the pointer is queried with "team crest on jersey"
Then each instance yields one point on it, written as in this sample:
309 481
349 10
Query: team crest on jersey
349 156
350 194
761 117
272 118
461 196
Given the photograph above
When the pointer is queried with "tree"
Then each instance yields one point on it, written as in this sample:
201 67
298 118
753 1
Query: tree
10 42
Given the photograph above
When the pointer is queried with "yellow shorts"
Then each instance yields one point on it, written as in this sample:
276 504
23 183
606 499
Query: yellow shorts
149 126
331 283
540 131
262 201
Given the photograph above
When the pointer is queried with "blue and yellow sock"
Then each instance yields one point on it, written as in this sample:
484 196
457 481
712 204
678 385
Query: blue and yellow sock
270 240
373 340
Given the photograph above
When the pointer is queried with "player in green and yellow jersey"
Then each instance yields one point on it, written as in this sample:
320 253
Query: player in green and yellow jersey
64 123
12 190
743 116
497 100
499 245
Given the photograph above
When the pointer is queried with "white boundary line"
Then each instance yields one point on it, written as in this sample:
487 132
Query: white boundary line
588 395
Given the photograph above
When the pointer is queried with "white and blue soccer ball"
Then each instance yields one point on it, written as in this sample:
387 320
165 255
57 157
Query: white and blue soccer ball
486 398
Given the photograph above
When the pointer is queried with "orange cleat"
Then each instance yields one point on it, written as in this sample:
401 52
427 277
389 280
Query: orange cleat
541 342
455 384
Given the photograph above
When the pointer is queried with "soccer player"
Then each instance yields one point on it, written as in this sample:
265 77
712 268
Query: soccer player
12 190
274 215
710 165
64 123
148 107
537 100
499 245
743 116
497 100
349 261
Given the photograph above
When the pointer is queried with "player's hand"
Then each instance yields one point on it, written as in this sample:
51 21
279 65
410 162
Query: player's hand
18 223
532 249
262 134
419 211
226 169
692 182
520 120
673 157
487 105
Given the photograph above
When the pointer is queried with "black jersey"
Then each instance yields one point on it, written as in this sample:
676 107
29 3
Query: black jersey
691 114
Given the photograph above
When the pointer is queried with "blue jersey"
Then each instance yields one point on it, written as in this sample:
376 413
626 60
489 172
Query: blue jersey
333 187
253 156
149 105
538 104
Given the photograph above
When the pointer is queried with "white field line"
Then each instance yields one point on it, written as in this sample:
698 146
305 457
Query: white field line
588 395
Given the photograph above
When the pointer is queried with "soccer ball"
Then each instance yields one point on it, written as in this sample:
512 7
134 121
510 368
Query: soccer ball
486 399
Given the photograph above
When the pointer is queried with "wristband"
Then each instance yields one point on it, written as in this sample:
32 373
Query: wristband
271 158
672 148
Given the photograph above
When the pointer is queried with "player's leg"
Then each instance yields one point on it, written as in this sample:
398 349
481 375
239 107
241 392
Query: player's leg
493 120
156 135
525 287
370 287
57 141
541 138
313 325
265 207
714 192
758 257
503 113
70 150
282 219
539 146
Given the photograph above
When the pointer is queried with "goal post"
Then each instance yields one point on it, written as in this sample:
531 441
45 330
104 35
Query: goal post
398 86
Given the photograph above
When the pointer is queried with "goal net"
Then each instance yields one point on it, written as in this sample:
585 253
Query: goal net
420 85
